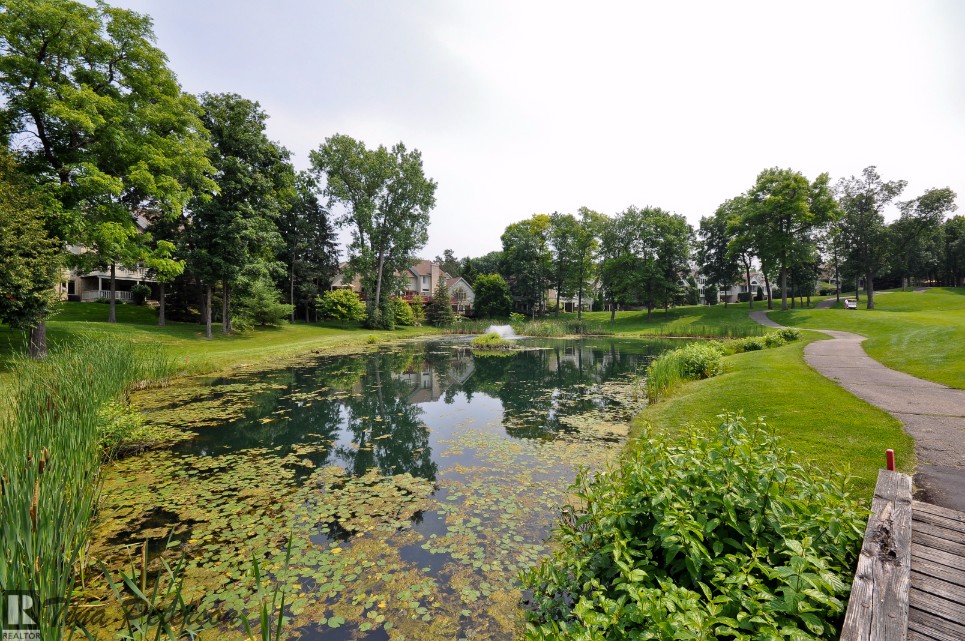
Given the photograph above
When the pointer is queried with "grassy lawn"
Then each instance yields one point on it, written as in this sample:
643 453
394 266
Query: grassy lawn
186 343
732 319
814 416
922 334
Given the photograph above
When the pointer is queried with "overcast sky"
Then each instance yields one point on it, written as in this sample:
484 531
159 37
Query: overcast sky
534 107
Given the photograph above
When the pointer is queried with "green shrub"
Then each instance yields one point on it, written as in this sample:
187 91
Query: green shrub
701 360
774 340
750 344
341 305
789 334
140 293
258 305
403 313
715 535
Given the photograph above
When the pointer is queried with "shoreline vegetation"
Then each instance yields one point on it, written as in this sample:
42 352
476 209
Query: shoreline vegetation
87 382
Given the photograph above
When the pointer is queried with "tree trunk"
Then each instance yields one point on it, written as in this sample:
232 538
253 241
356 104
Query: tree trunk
160 311
204 305
783 289
111 315
579 294
767 285
225 319
37 347
291 291
207 310
378 283
870 289
857 288
613 311
750 296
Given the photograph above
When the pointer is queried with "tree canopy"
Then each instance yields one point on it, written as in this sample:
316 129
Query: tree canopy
387 198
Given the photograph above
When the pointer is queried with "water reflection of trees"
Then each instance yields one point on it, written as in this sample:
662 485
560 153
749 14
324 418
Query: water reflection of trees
364 411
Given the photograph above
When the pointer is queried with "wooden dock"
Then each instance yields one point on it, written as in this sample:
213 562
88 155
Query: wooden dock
910 582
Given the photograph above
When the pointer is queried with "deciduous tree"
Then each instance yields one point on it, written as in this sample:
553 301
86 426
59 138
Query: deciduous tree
29 259
94 113
492 299
864 233
526 261
387 198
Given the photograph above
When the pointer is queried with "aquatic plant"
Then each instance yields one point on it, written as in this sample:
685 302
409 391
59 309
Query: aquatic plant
50 457
491 341
692 362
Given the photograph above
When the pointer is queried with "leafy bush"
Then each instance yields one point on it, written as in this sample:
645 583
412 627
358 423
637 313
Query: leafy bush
750 344
418 306
774 340
403 313
341 305
710 295
789 334
140 293
716 535
492 299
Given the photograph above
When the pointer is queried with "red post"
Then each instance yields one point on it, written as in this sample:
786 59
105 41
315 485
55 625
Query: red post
890 457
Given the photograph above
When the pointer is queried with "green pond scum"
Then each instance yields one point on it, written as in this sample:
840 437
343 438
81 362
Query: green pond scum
415 482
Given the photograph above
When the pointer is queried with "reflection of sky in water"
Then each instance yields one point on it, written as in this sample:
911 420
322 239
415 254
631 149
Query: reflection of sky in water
391 408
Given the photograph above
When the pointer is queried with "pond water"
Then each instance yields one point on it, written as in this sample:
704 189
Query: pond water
415 482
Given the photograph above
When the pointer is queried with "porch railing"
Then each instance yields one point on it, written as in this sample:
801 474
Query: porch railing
97 294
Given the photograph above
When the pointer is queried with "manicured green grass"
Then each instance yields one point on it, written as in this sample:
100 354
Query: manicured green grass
814 416
693 320
185 342
922 334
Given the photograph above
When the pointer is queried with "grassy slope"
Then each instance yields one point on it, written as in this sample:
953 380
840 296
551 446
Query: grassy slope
186 342
732 316
922 334
814 416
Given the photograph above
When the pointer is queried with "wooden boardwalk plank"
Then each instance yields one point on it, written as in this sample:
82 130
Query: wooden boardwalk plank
936 531
934 585
937 606
952 561
934 519
927 508
878 607
927 626
931 568
927 539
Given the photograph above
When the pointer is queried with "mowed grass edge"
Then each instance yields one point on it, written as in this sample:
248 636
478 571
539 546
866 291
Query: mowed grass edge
922 334
815 417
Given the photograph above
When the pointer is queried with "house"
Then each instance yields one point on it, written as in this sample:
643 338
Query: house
421 279
731 294
94 285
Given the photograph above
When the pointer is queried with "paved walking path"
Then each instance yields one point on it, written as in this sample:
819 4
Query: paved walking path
933 414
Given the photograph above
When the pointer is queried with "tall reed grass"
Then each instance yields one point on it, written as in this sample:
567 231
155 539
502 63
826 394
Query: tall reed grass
50 457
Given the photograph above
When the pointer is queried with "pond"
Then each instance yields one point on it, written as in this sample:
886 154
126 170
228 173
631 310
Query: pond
415 482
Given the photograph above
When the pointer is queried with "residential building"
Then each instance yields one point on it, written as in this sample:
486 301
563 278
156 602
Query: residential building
421 279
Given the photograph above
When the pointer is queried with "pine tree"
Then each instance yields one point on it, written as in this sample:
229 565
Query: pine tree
440 309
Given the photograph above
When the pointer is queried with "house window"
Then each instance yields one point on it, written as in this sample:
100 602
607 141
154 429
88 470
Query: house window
425 283
459 295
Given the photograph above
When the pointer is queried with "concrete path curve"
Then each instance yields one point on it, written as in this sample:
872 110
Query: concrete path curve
933 414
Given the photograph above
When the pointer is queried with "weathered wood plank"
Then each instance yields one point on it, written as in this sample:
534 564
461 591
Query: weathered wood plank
951 561
925 626
937 531
932 538
878 608
928 508
935 519
937 606
938 570
937 586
